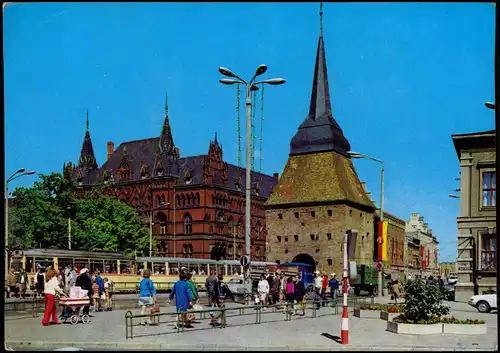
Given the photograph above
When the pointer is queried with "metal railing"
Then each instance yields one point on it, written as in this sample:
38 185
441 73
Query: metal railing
287 308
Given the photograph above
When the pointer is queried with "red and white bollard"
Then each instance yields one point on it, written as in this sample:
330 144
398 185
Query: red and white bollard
344 333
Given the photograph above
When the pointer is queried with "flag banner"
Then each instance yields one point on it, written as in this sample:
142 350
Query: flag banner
351 244
384 241
379 241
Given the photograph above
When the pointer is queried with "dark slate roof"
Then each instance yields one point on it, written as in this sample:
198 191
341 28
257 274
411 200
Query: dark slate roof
484 139
141 152
319 132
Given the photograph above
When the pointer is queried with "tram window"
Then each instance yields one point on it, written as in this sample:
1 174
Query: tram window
157 268
81 263
63 262
44 262
29 264
203 269
125 267
96 265
110 266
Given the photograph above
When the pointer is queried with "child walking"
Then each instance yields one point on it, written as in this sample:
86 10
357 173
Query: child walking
108 289
96 296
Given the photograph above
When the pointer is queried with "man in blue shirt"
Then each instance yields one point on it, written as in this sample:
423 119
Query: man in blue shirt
333 283
100 283
182 298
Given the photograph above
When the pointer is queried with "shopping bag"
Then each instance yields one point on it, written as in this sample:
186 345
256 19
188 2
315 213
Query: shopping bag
155 308
103 296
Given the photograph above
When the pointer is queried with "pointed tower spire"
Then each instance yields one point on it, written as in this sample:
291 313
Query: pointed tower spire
166 103
166 156
321 20
319 132
166 143
215 140
87 158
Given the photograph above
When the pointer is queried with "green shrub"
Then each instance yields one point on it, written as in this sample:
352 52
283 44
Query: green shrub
423 301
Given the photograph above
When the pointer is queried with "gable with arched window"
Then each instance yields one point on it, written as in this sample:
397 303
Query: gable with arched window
258 230
188 226
161 219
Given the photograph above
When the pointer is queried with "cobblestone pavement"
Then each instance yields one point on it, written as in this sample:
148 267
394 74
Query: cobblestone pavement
107 330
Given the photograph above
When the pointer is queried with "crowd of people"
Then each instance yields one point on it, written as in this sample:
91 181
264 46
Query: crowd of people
49 283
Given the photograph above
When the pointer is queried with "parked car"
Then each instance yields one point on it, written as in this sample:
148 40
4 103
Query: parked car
484 303
452 279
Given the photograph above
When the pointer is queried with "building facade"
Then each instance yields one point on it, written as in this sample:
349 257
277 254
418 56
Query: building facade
447 268
395 264
190 203
319 196
418 234
477 247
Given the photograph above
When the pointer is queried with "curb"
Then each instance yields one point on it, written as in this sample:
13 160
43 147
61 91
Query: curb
163 346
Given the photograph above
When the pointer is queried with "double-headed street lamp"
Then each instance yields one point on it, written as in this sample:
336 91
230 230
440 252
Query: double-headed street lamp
21 172
357 155
250 86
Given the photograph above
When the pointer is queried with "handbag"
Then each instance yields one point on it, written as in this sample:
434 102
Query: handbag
103 296
155 308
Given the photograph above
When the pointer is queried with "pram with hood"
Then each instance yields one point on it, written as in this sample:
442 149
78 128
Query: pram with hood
77 299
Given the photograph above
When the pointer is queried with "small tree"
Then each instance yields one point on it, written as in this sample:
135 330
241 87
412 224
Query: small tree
423 301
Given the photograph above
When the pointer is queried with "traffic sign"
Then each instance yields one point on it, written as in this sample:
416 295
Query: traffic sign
244 261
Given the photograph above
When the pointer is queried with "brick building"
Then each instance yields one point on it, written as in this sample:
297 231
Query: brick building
190 203
395 264
319 195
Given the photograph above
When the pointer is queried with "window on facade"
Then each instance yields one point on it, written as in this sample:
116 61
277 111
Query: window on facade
286 239
296 237
257 251
286 251
330 213
488 252
330 262
239 250
188 227
280 216
162 221
230 250
258 229
329 236
312 236
296 215
489 189
279 238
317 237
313 214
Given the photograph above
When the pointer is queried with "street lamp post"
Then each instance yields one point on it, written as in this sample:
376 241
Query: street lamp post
490 105
357 155
250 86
21 172
69 227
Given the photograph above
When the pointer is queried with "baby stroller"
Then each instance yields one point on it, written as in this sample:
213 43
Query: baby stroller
72 305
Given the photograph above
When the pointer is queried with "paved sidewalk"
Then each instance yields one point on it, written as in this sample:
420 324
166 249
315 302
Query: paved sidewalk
107 330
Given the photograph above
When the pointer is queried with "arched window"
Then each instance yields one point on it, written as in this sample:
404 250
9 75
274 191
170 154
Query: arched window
239 230
230 250
161 219
197 198
158 200
230 225
257 251
258 230
162 202
239 251
187 250
188 227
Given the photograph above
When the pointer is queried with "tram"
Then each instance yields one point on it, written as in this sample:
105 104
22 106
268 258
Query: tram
126 271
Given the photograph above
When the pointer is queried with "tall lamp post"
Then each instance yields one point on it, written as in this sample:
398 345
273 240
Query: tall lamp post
357 155
21 172
250 86
490 105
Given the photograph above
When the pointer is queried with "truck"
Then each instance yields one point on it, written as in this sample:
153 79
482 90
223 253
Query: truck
366 280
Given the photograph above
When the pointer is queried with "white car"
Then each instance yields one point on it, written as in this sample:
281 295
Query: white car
484 303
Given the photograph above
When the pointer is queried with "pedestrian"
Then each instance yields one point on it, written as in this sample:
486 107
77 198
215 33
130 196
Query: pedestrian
95 295
183 301
72 279
263 290
100 283
324 286
275 288
440 282
12 283
269 279
283 282
210 285
290 295
22 280
84 282
222 293
108 291
40 282
299 293
51 288
395 291
430 280
334 286
147 295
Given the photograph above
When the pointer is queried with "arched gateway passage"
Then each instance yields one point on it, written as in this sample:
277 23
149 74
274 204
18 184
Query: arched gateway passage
306 259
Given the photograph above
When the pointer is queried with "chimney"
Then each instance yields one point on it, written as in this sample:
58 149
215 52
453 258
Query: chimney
276 175
111 149
363 184
178 151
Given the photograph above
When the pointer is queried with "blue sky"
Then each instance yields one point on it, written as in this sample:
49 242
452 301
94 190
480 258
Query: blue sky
403 78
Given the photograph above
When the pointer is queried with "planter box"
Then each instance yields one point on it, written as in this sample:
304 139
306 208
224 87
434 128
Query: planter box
414 329
387 316
461 329
367 314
